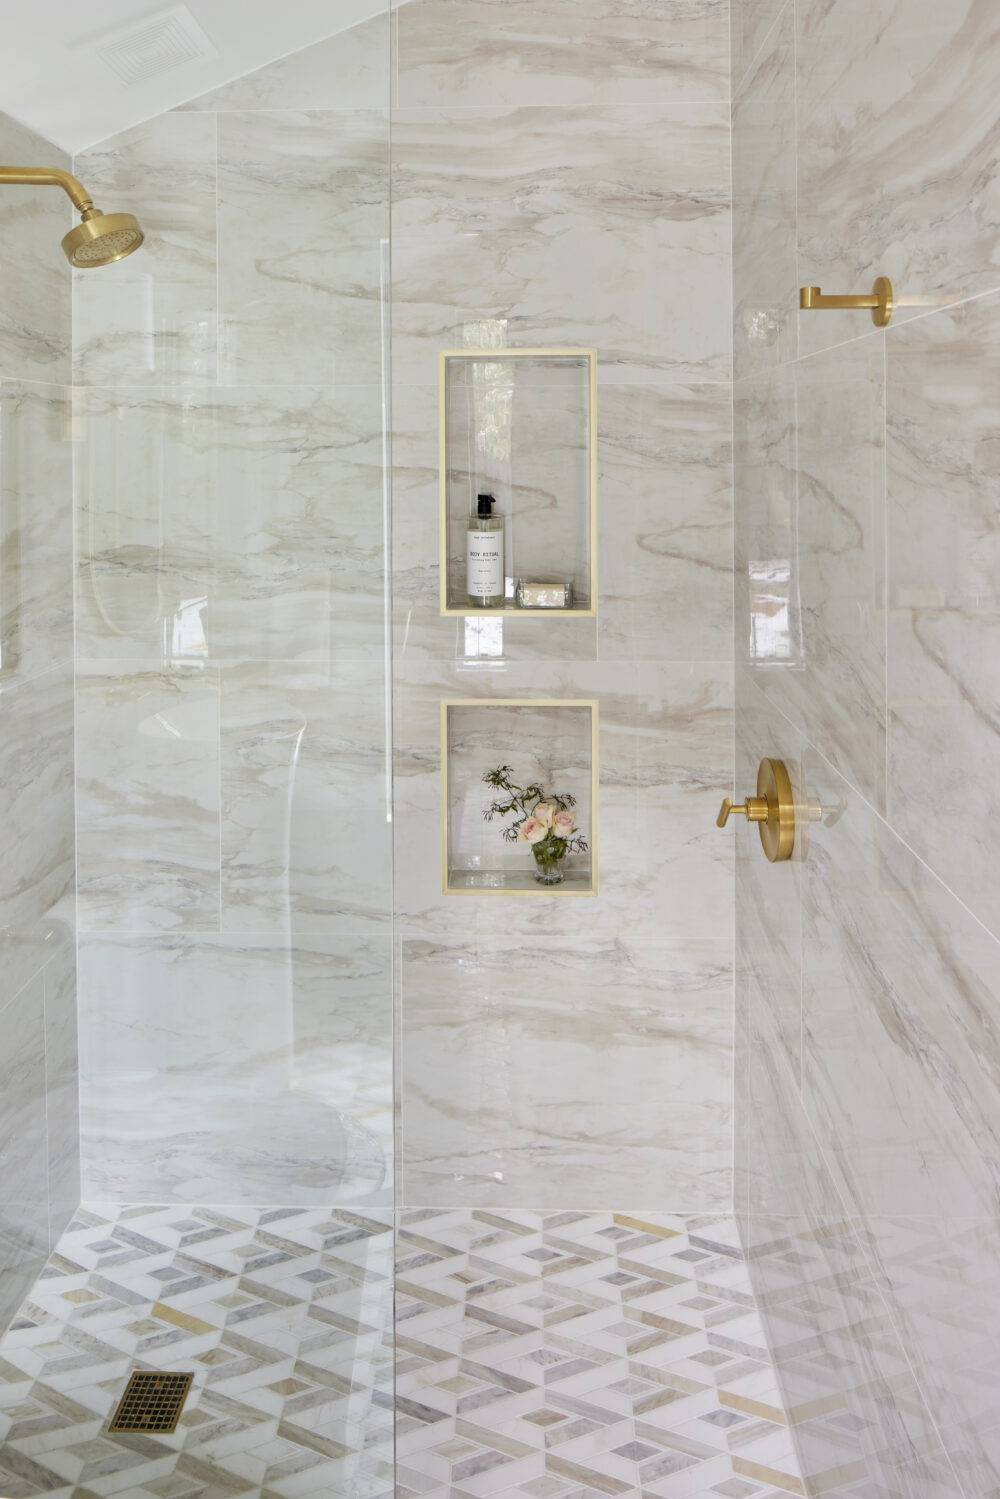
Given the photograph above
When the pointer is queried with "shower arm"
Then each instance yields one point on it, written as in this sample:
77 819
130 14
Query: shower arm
49 177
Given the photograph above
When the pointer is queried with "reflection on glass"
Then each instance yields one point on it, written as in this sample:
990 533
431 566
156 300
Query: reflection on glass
773 613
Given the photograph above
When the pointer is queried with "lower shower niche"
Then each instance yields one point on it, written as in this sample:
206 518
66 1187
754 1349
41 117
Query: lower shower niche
529 747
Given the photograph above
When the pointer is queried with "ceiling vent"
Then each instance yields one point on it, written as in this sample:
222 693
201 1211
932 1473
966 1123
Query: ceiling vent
153 46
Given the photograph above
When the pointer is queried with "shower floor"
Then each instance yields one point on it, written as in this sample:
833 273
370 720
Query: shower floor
556 1356
283 1316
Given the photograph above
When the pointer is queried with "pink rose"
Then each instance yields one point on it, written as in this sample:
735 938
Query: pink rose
564 824
532 831
544 812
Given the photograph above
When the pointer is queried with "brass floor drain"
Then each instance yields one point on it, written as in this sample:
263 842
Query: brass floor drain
152 1402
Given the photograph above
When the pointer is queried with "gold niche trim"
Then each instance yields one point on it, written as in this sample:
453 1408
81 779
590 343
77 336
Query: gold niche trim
497 356
558 891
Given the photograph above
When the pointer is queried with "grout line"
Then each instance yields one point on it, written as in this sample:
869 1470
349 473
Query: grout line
748 71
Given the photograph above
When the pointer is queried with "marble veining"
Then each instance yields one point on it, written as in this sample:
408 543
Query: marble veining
303 209
148 799
271 1063
36 529
151 318
560 52
829 525
523 221
898 152
943 441
35 321
765 271
867 1054
665 763
548 1069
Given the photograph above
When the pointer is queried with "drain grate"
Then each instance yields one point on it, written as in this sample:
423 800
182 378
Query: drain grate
151 1402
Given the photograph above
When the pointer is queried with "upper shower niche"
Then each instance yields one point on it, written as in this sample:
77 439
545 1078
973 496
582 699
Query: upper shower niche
520 424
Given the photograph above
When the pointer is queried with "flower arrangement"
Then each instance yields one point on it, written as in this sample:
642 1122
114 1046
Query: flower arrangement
544 820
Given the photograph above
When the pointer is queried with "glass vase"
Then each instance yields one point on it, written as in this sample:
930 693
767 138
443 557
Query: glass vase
549 865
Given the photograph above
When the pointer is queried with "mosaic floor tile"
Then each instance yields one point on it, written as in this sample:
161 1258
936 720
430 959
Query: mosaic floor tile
558 1356
575 1355
284 1317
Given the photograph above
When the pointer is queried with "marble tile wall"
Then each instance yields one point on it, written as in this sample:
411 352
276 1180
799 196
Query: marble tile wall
39 1115
231 586
561 176
232 775
868 969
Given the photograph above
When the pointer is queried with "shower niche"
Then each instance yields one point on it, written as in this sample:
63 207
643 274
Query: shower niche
521 425
551 743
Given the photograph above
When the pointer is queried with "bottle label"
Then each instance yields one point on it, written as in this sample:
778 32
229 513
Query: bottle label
484 564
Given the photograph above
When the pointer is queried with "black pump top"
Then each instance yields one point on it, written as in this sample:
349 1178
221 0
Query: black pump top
486 503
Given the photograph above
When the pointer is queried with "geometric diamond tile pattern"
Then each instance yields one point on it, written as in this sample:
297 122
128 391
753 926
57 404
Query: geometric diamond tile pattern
576 1355
550 1356
284 1317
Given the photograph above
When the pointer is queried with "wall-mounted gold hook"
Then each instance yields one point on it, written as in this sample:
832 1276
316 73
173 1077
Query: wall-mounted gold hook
880 301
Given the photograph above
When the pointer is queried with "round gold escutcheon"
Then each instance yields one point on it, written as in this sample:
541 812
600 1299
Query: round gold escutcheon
777 831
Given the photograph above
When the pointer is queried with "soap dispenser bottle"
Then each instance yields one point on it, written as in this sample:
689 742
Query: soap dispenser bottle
484 556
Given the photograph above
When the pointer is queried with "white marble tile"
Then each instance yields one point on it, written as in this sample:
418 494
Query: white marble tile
898 145
62 1102
471 52
271 1065
941 1277
148 473
765 317
303 212
750 24
561 1072
301 533
832 683
23 1197
305 800
665 764
36 823
859 1417
581 227
230 523
767 594
899 997
768 896
36 529
666 523
942 447
152 317
147 798
349 70
35 323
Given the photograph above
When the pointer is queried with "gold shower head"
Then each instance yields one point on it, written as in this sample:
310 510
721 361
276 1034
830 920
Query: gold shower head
102 238
99 238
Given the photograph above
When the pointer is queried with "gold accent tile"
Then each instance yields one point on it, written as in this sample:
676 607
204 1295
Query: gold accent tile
181 1319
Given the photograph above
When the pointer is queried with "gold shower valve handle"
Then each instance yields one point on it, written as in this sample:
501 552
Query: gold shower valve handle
772 809
754 809
879 300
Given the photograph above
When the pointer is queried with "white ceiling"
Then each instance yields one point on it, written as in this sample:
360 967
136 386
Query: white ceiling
52 79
